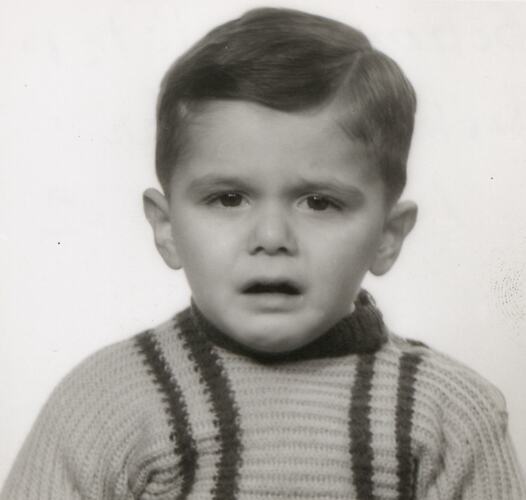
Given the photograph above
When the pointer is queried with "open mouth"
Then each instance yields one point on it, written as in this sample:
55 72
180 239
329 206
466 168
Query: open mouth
276 287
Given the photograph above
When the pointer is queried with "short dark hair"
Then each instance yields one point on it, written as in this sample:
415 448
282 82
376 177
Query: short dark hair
292 61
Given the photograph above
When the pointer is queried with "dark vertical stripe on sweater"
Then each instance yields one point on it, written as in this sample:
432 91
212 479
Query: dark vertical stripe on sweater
360 428
223 404
181 434
404 422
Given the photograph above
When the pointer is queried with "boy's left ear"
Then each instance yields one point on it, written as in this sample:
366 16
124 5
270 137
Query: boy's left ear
398 224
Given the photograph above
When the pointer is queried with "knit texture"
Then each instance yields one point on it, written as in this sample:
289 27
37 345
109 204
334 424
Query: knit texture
182 412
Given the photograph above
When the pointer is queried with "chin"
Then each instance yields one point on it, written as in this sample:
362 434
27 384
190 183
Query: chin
273 341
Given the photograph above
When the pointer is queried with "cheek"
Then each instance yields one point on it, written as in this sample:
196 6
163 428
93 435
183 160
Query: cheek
343 271
346 248
203 248
342 276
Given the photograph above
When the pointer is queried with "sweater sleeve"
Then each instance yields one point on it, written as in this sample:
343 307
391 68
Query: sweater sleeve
86 441
477 460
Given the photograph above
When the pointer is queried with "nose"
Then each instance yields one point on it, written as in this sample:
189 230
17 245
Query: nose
272 233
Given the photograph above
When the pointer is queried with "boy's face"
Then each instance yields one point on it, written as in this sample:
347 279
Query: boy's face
275 218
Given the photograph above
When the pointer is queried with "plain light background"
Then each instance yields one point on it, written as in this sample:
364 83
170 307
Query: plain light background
78 267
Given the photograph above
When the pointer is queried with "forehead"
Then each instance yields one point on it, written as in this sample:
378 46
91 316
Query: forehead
233 136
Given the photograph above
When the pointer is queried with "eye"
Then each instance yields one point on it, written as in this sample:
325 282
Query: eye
320 203
227 200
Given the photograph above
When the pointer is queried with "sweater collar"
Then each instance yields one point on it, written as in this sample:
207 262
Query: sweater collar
361 332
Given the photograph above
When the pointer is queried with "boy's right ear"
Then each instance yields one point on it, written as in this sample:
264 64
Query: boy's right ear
157 211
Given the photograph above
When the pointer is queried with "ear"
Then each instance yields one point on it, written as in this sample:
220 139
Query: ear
157 211
398 224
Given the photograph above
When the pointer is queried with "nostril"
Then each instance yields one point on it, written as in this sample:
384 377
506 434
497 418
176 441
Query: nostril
272 250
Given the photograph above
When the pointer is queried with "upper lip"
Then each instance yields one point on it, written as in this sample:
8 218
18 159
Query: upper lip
272 285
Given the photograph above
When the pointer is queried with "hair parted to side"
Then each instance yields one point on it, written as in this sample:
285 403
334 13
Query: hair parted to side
292 61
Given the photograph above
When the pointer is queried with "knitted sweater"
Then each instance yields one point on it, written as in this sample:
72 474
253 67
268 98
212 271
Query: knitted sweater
181 411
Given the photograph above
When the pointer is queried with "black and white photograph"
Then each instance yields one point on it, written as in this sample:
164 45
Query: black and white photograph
262 250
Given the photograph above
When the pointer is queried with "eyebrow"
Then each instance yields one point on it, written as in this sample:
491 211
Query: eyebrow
321 186
208 181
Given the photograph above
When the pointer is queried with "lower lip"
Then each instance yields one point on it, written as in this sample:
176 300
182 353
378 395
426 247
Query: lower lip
273 301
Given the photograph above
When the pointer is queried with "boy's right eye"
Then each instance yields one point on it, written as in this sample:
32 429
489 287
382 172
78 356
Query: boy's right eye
228 200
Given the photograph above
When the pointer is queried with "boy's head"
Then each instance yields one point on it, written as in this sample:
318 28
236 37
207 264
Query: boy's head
282 144
293 62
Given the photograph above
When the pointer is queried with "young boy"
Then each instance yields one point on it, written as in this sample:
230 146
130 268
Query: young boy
282 143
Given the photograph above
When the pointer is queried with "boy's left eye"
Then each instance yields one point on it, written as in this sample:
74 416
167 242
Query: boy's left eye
231 199
319 203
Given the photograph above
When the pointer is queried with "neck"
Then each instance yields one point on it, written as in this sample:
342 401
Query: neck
361 332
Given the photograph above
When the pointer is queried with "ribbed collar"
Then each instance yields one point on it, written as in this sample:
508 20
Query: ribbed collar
361 332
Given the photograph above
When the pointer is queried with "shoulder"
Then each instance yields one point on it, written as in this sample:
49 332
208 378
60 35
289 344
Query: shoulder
108 404
103 386
109 393
448 380
101 424
455 422
116 366
450 400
